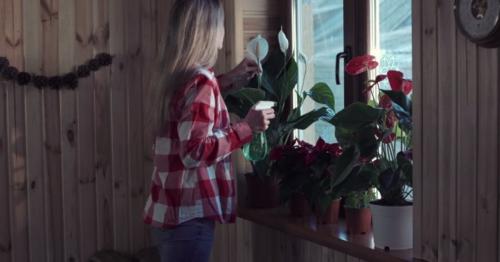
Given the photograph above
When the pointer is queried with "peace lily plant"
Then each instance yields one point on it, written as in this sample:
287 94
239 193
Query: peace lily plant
277 82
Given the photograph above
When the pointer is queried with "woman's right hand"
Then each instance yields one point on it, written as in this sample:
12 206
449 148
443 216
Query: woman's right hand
259 120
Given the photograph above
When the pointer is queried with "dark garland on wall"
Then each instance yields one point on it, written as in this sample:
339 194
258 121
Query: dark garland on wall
68 81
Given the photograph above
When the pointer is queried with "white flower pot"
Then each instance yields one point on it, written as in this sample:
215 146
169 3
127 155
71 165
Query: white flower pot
392 226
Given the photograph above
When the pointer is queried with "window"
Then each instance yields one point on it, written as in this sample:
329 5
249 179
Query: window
321 35
392 37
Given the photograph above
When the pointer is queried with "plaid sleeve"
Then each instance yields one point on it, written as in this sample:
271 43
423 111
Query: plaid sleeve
200 143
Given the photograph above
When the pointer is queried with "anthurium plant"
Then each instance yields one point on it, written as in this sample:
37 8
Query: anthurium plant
382 130
318 172
277 83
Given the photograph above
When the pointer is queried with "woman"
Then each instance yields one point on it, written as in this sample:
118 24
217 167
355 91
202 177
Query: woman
192 184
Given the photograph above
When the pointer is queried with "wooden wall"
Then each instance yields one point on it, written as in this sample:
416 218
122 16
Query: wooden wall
74 169
456 118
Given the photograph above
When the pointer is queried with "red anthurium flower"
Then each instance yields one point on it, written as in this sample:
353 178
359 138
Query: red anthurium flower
380 78
389 138
398 83
385 102
361 64
407 86
395 80
390 120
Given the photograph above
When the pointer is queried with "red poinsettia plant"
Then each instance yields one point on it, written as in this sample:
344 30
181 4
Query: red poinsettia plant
314 171
381 130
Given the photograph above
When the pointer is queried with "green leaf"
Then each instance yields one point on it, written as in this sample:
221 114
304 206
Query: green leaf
367 142
400 99
360 179
250 95
372 103
406 167
402 106
274 64
287 81
306 120
359 199
364 138
240 101
344 136
322 94
268 83
345 164
356 116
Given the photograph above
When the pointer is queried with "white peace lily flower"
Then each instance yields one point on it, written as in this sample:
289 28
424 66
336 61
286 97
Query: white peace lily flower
283 41
257 50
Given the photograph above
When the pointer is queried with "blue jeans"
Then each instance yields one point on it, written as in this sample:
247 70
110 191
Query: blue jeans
190 241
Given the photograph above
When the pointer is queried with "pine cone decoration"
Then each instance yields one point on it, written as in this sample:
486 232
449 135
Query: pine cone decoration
70 80
4 63
23 78
40 81
10 73
94 64
104 59
83 71
55 82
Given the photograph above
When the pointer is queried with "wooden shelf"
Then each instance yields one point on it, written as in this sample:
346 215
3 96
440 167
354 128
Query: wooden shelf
332 236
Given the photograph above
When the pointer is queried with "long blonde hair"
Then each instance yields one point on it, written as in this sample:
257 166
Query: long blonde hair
191 41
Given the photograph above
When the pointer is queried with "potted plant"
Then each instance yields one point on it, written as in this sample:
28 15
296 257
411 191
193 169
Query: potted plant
306 174
358 215
382 129
331 167
358 192
291 165
276 83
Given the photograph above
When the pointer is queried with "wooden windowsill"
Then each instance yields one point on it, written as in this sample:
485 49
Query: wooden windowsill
332 236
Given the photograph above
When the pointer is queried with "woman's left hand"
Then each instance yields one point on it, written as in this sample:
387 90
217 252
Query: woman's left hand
240 75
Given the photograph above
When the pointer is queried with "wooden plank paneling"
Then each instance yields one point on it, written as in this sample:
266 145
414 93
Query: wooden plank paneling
487 148
5 234
35 175
418 123
468 150
119 155
52 143
467 178
447 132
104 180
430 159
85 135
149 51
133 72
69 159
5 155
19 197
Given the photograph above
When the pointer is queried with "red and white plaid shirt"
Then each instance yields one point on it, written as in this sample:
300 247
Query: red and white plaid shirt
193 175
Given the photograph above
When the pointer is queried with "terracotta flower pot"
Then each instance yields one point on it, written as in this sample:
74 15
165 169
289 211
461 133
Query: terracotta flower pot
262 192
299 207
331 216
358 220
